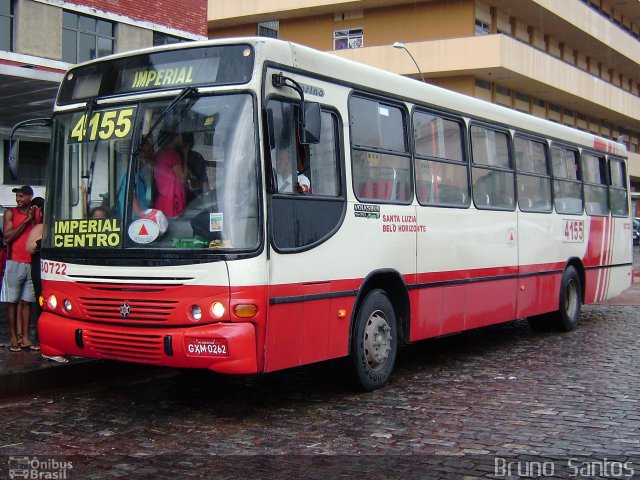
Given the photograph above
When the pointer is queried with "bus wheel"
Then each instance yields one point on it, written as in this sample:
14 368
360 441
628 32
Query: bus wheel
375 342
570 300
567 317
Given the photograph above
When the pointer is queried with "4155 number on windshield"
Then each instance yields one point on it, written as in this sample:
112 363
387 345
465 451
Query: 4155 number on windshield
104 125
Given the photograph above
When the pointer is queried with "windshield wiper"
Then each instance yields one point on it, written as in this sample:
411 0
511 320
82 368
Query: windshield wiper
185 93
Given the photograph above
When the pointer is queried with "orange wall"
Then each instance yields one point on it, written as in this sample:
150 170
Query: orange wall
463 84
315 32
248 30
382 26
418 22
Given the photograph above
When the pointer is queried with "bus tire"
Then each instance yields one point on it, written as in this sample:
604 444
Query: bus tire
566 318
570 300
374 342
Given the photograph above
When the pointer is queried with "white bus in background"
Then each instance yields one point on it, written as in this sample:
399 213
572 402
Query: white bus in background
426 213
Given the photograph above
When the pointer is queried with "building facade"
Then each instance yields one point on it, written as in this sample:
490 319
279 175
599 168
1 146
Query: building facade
40 39
575 62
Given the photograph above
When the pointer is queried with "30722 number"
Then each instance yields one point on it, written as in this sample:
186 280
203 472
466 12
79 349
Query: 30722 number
55 268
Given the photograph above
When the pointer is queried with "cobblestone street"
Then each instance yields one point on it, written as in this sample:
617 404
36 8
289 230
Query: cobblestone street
453 405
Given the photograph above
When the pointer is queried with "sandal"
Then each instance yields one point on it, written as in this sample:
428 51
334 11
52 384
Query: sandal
30 346
15 348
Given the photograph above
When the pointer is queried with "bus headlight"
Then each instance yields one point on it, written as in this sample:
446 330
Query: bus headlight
217 310
67 305
196 313
52 302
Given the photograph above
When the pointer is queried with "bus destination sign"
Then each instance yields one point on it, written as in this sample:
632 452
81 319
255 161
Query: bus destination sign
145 78
87 233
172 75
163 69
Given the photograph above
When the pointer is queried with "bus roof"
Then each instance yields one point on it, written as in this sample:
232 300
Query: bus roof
390 84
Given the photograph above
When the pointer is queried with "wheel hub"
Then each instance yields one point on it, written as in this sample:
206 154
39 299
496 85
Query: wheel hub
377 340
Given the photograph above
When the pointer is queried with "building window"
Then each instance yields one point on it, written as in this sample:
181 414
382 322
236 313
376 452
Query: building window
353 38
85 38
483 84
482 28
6 25
269 29
538 102
164 39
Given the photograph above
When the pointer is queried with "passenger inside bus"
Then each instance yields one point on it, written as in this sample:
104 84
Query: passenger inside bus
99 212
170 174
143 181
197 181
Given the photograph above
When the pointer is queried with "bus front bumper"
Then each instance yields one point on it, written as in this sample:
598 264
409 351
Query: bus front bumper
221 347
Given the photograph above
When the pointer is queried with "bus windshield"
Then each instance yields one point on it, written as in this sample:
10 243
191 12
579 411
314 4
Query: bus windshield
145 175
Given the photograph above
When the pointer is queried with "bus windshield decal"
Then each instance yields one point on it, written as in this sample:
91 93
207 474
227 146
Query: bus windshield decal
104 125
87 233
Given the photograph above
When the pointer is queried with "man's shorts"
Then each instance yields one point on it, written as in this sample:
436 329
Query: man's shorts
16 284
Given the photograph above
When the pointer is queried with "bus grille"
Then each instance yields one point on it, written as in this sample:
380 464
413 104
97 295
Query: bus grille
135 311
131 347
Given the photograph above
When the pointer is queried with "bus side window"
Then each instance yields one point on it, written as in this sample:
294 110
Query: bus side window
534 179
492 172
380 155
617 190
441 167
316 164
567 183
595 184
304 218
319 161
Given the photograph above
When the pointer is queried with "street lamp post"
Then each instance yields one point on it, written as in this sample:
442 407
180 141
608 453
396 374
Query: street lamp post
401 45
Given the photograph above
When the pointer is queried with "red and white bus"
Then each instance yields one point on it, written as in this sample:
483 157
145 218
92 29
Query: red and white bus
415 212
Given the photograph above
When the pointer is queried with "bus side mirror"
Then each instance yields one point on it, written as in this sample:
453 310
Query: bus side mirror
13 157
310 124
15 144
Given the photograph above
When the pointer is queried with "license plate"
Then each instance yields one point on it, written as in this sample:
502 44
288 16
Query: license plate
206 347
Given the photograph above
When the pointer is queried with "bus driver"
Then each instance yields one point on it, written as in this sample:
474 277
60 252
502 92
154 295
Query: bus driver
283 172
